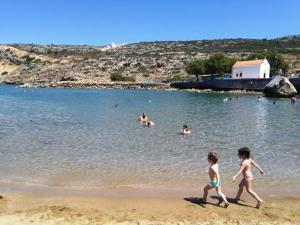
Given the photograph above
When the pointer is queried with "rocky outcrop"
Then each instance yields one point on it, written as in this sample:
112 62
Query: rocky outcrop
280 87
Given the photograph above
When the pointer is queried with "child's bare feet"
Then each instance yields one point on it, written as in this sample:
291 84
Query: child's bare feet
259 204
236 200
226 205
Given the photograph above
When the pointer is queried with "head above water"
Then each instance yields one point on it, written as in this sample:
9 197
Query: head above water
144 115
244 153
213 157
293 100
184 126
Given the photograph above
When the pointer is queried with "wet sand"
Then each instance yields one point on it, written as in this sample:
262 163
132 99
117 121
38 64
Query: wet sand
24 208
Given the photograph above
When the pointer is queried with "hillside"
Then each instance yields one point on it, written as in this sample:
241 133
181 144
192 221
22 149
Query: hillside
146 61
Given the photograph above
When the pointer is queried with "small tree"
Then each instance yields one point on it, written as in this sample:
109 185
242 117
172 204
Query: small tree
195 68
276 61
219 64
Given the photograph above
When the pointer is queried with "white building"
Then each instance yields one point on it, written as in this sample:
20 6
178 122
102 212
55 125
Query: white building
251 69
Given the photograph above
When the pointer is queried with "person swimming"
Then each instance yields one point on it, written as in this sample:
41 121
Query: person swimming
185 130
258 98
293 100
143 118
149 124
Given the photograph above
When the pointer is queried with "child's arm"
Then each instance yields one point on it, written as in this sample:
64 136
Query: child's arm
239 172
257 166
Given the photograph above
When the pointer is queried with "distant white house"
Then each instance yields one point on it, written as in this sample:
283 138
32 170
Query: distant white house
251 69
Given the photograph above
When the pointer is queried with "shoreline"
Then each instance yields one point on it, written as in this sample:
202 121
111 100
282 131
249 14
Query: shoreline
146 191
126 86
28 208
95 85
123 86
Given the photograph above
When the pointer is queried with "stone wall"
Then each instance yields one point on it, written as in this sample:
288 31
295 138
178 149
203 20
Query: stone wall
231 84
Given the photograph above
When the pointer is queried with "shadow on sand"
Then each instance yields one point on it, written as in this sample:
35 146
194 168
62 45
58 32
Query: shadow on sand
200 202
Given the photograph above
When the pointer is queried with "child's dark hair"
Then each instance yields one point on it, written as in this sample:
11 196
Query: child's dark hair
213 156
245 152
185 126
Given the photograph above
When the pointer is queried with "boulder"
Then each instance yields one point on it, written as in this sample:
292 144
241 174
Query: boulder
280 87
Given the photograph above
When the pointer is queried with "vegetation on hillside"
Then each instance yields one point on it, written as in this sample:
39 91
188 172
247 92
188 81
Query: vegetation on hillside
118 76
145 61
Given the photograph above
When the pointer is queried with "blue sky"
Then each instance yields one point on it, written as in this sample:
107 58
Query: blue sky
100 22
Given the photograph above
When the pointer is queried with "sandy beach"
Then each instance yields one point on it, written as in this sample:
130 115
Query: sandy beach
24 208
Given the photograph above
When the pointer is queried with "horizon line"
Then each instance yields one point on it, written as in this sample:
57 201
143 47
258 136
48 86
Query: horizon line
149 41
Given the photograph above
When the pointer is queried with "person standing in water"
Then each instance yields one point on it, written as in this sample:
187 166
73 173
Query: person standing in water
214 176
245 169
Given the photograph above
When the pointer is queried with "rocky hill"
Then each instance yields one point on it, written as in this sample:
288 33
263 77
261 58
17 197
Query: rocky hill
57 65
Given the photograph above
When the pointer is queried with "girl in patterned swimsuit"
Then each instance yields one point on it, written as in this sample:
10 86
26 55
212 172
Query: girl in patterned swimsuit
214 177
245 169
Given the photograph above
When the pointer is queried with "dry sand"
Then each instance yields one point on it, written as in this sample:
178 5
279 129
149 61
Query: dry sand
25 209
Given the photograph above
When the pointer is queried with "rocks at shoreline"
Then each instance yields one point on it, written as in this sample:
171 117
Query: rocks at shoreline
110 85
280 87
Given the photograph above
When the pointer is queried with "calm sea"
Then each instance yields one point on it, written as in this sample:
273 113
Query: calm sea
87 138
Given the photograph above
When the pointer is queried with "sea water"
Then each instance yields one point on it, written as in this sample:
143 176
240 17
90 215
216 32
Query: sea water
90 138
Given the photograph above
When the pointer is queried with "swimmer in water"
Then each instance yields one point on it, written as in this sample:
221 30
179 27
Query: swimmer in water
149 124
258 98
185 130
293 100
143 118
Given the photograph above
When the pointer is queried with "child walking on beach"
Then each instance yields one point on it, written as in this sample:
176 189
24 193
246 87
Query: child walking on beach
214 176
245 169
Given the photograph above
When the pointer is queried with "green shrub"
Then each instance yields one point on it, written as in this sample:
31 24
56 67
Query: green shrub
28 59
4 73
117 76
